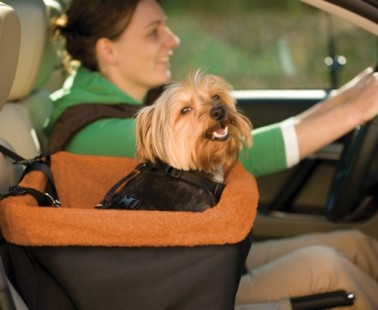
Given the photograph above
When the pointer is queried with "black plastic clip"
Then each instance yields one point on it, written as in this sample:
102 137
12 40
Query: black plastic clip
173 172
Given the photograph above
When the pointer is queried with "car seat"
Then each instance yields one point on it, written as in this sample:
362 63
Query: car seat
24 105
9 50
27 105
26 61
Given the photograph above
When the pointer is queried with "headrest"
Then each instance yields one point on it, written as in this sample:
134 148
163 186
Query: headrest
9 49
37 57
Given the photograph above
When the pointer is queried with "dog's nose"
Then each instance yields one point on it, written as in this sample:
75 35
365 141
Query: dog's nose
217 113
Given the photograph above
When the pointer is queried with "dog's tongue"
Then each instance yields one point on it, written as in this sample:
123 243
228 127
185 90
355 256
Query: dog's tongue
220 133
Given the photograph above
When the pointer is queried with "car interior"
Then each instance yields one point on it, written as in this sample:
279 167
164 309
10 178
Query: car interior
335 188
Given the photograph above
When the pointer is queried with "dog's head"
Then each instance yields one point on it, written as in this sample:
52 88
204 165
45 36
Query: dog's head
193 125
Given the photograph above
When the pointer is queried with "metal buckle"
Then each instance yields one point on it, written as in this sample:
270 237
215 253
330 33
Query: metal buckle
55 202
28 162
219 187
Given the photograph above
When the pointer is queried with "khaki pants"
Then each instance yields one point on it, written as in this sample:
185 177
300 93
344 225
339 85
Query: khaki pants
311 264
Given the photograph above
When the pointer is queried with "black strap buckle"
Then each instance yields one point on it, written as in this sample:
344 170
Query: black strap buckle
173 172
125 202
106 202
16 191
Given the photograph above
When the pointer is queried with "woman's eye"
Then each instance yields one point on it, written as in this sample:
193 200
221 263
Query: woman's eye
185 110
154 33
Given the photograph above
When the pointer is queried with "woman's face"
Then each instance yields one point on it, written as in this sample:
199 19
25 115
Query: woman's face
143 50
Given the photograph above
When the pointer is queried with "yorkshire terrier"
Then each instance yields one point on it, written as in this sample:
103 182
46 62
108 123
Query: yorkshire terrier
186 141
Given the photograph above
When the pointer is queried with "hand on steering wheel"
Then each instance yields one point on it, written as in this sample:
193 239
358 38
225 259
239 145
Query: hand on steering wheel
348 187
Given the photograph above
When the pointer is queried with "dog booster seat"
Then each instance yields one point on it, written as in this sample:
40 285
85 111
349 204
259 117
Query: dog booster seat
78 257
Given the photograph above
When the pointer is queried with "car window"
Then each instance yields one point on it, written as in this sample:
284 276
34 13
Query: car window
268 44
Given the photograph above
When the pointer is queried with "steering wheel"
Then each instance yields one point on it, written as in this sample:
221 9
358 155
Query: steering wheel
347 187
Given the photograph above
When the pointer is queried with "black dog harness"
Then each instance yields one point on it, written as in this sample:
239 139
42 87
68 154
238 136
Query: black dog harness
194 177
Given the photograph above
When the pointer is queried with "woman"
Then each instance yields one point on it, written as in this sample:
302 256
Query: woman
124 49
121 61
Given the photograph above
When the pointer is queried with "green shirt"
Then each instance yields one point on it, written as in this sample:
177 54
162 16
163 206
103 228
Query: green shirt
116 137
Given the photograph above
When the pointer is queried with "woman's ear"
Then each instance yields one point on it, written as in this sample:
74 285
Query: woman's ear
105 51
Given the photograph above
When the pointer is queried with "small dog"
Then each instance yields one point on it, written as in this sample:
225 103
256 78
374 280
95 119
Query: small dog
185 140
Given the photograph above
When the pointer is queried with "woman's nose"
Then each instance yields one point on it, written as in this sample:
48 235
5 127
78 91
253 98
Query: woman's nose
172 41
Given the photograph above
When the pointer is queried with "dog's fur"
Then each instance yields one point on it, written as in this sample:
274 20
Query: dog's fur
193 126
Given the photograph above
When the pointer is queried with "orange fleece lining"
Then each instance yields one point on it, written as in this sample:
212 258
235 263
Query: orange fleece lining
83 180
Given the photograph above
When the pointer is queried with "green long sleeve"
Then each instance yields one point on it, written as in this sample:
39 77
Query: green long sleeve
116 137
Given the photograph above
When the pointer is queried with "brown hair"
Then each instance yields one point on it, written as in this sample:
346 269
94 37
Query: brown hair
77 31
86 21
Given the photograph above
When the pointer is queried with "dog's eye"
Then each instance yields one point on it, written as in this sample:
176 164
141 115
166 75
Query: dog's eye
215 97
185 110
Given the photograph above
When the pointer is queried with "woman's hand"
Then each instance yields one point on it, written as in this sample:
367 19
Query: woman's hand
365 99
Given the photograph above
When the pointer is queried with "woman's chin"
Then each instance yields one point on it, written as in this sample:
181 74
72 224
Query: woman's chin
164 76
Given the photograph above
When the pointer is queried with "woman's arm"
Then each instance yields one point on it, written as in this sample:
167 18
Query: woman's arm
353 105
340 95
282 145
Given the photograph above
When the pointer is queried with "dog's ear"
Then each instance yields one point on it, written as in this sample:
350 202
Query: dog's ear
143 133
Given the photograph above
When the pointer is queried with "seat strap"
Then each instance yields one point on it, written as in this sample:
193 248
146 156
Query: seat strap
38 163
7 152
104 204
44 199
193 177
77 117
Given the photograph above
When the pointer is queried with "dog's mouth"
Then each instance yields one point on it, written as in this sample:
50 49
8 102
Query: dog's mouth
219 133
